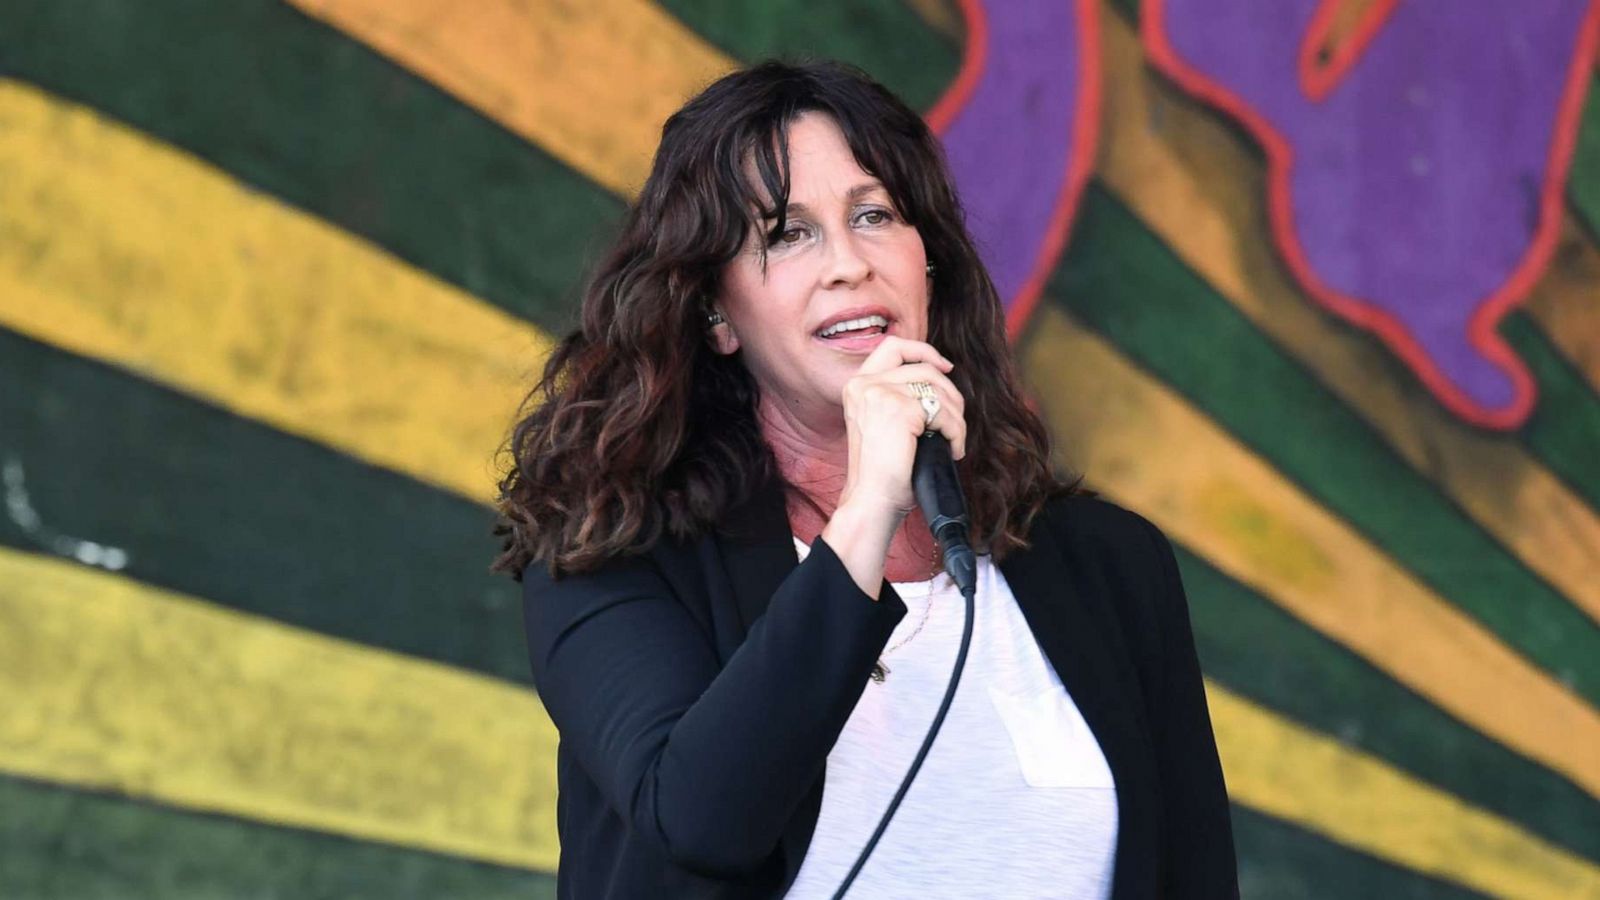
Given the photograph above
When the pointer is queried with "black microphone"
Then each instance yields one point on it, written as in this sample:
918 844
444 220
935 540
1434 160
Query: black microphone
933 480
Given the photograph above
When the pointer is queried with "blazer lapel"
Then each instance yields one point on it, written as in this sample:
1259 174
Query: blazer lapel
1073 635
1083 645
758 553
757 548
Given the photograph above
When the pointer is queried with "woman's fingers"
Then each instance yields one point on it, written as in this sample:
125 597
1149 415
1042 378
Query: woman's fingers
884 416
894 352
889 394
949 394
949 422
951 417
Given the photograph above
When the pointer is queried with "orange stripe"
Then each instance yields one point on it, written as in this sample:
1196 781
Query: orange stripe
1296 774
1197 188
591 82
1564 303
120 248
1137 440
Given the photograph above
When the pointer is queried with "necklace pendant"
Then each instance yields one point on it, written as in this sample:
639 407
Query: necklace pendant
879 671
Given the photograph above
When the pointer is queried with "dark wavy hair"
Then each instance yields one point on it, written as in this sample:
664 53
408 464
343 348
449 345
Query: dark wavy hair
637 427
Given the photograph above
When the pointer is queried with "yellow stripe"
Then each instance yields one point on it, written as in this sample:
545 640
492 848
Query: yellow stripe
1136 439
122 249
488 63
1291 772
1563 302
115 685
1192 184
592 82
111 316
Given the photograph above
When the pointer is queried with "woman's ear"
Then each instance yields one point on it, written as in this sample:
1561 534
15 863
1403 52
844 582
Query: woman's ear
722 337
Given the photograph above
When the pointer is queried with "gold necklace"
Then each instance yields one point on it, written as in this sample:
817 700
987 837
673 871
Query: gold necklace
881 671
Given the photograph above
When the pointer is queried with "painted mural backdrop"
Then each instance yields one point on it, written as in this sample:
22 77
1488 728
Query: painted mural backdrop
1313 285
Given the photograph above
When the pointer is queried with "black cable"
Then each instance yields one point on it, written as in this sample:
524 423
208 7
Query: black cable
927 743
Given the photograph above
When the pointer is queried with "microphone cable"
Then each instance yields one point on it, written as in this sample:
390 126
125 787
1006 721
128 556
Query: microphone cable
927 742
939 495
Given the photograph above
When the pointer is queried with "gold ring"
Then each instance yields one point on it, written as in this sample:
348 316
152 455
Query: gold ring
923 391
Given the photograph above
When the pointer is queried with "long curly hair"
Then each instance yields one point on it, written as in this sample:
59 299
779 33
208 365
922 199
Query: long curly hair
637 427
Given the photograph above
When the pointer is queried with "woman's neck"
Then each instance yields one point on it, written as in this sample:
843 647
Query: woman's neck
812 452
813 455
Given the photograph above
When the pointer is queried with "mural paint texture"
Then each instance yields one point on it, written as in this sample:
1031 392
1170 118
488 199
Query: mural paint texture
1313 285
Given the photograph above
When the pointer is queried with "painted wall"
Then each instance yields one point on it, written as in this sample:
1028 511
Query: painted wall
1313 285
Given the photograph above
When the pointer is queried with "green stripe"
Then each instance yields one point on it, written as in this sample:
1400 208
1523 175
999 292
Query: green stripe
1129 9
434 183
1564 429
1121 281
1583 183
62 843
883 37
227 509
1242 636
385 155
349 136
301 111
1278 861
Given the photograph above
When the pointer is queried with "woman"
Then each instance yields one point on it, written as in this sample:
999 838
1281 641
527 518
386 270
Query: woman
734 609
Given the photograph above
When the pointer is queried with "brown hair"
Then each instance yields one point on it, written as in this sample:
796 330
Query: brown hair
638 427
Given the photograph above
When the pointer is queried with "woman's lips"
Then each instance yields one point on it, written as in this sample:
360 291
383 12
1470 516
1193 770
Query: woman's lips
855 342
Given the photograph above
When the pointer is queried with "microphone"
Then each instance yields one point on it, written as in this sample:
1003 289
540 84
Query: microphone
938 492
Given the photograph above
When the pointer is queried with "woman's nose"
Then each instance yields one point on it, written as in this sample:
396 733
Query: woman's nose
846 265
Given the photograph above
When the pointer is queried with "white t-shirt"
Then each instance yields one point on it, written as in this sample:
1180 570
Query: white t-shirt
1014 799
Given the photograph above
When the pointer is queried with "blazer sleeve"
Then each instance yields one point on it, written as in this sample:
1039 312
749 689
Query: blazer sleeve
707 764
1199 835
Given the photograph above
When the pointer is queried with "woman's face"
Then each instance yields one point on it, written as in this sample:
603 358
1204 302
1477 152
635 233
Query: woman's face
845 257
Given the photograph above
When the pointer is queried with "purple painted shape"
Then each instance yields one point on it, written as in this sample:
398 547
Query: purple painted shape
1010 144
1416 182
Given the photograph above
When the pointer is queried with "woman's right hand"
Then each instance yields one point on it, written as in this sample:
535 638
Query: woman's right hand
883 419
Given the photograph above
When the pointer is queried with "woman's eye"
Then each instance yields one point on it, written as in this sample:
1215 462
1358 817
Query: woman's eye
790 235
877 216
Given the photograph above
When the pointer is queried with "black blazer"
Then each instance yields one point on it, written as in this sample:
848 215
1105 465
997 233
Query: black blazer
698 689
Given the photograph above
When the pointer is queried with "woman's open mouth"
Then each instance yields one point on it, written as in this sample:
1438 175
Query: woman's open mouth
858 334
855 327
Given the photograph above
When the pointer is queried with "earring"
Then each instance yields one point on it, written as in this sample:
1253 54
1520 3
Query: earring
930 270
714 318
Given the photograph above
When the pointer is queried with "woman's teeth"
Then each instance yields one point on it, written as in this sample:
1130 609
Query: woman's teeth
853 325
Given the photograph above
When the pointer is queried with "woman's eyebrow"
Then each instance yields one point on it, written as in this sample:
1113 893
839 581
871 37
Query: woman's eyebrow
852 195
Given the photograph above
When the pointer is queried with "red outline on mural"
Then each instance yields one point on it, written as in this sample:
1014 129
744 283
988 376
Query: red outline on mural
1319 80
1080 156
1481 326
974 57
